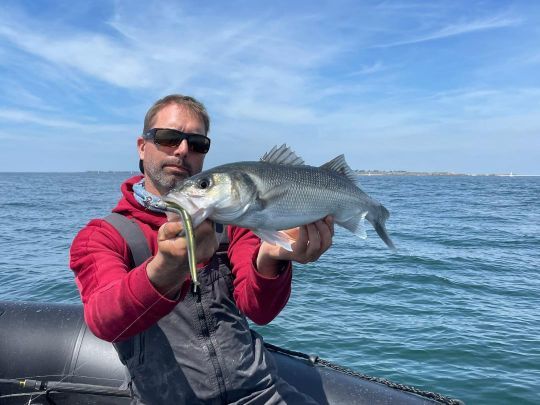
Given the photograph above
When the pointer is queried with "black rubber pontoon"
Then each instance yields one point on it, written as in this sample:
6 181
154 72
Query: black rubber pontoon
49 356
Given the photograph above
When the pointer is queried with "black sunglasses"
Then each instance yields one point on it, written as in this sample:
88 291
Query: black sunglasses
173 138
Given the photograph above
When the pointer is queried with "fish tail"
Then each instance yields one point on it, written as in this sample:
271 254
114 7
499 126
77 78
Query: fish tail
378 221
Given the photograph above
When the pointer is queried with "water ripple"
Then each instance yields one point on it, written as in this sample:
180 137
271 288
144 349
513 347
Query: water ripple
454 310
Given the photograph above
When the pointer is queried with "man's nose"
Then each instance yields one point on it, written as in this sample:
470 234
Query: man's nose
182 149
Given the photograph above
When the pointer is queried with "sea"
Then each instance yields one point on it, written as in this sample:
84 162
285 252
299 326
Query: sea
455 310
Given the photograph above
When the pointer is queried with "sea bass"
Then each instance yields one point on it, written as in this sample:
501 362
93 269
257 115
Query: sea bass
280 192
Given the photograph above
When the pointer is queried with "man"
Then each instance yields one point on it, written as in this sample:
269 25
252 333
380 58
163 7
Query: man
181 347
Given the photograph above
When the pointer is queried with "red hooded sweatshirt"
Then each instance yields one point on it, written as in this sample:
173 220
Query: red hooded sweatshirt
120 302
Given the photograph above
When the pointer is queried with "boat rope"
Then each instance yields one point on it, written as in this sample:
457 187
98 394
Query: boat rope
316 360
41 387
46 387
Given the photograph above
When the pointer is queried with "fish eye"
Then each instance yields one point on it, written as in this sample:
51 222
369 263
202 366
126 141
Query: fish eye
203 183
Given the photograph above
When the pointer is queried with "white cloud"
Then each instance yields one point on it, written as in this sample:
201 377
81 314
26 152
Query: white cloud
258 58
316 77
94 55
375 67
26 117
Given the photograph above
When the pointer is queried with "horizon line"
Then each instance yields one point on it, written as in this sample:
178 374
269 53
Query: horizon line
359 172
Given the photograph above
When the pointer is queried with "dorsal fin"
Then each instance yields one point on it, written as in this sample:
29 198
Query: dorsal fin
282 155
338 164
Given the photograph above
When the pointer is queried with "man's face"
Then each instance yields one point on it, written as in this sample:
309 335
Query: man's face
165 166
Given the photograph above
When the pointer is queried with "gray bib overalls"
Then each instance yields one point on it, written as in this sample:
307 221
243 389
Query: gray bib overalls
203 351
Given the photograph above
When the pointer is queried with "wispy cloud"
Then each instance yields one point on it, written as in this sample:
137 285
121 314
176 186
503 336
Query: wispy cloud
375 67
258 58
93 55
455 29
31 118
323 78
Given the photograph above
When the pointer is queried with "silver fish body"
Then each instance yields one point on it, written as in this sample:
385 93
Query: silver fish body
280 192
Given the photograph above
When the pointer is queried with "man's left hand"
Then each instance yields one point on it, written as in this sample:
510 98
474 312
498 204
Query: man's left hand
308 242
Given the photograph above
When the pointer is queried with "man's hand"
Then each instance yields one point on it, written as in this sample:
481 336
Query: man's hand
309 242
169 268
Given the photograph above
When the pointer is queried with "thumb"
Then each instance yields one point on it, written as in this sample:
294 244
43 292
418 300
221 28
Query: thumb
169 230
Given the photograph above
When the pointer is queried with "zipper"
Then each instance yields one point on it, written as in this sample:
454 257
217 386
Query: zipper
206 332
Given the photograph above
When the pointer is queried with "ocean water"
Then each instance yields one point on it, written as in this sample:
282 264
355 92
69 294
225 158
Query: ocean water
455 310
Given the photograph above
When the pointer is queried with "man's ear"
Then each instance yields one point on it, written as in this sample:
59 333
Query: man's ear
140 147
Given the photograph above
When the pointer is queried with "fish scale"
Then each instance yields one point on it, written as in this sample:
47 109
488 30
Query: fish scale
313 193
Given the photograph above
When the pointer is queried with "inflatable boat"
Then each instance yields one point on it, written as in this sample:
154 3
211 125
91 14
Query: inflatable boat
49 356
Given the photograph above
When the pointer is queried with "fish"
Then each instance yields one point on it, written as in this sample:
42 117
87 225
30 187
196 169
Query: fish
280 192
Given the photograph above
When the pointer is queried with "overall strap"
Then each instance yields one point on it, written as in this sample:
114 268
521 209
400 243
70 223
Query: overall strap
133 235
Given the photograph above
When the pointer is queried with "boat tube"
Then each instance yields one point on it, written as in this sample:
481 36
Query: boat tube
49 356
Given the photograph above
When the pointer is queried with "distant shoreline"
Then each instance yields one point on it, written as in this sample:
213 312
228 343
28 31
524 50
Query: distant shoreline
406 173
357 172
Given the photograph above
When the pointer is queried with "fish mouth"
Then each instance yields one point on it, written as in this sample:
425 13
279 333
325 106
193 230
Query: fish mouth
198 214
182 201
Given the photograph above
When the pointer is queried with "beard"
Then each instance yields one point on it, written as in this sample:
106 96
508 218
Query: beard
165 182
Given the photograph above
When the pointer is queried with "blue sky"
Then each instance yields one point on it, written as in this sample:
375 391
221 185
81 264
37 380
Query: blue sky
395 85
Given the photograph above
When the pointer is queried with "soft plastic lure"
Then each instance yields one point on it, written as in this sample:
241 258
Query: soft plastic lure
190 239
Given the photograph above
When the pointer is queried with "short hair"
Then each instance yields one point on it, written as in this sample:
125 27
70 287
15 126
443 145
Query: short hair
191 104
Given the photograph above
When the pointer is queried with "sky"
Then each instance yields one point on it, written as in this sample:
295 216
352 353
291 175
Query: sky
394 85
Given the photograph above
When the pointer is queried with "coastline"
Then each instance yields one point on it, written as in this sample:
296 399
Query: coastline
357 172
406 173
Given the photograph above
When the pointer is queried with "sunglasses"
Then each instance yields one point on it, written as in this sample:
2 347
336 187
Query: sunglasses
173 138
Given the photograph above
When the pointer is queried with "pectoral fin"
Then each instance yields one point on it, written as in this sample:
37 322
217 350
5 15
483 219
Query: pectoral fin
272 194
278 238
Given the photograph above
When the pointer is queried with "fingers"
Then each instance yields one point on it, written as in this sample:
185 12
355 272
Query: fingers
169 230
313 240
326 232
206 241
175 247
320 238
329 220
314 244
204 231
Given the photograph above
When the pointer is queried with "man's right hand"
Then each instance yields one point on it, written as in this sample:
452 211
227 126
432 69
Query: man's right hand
169 268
